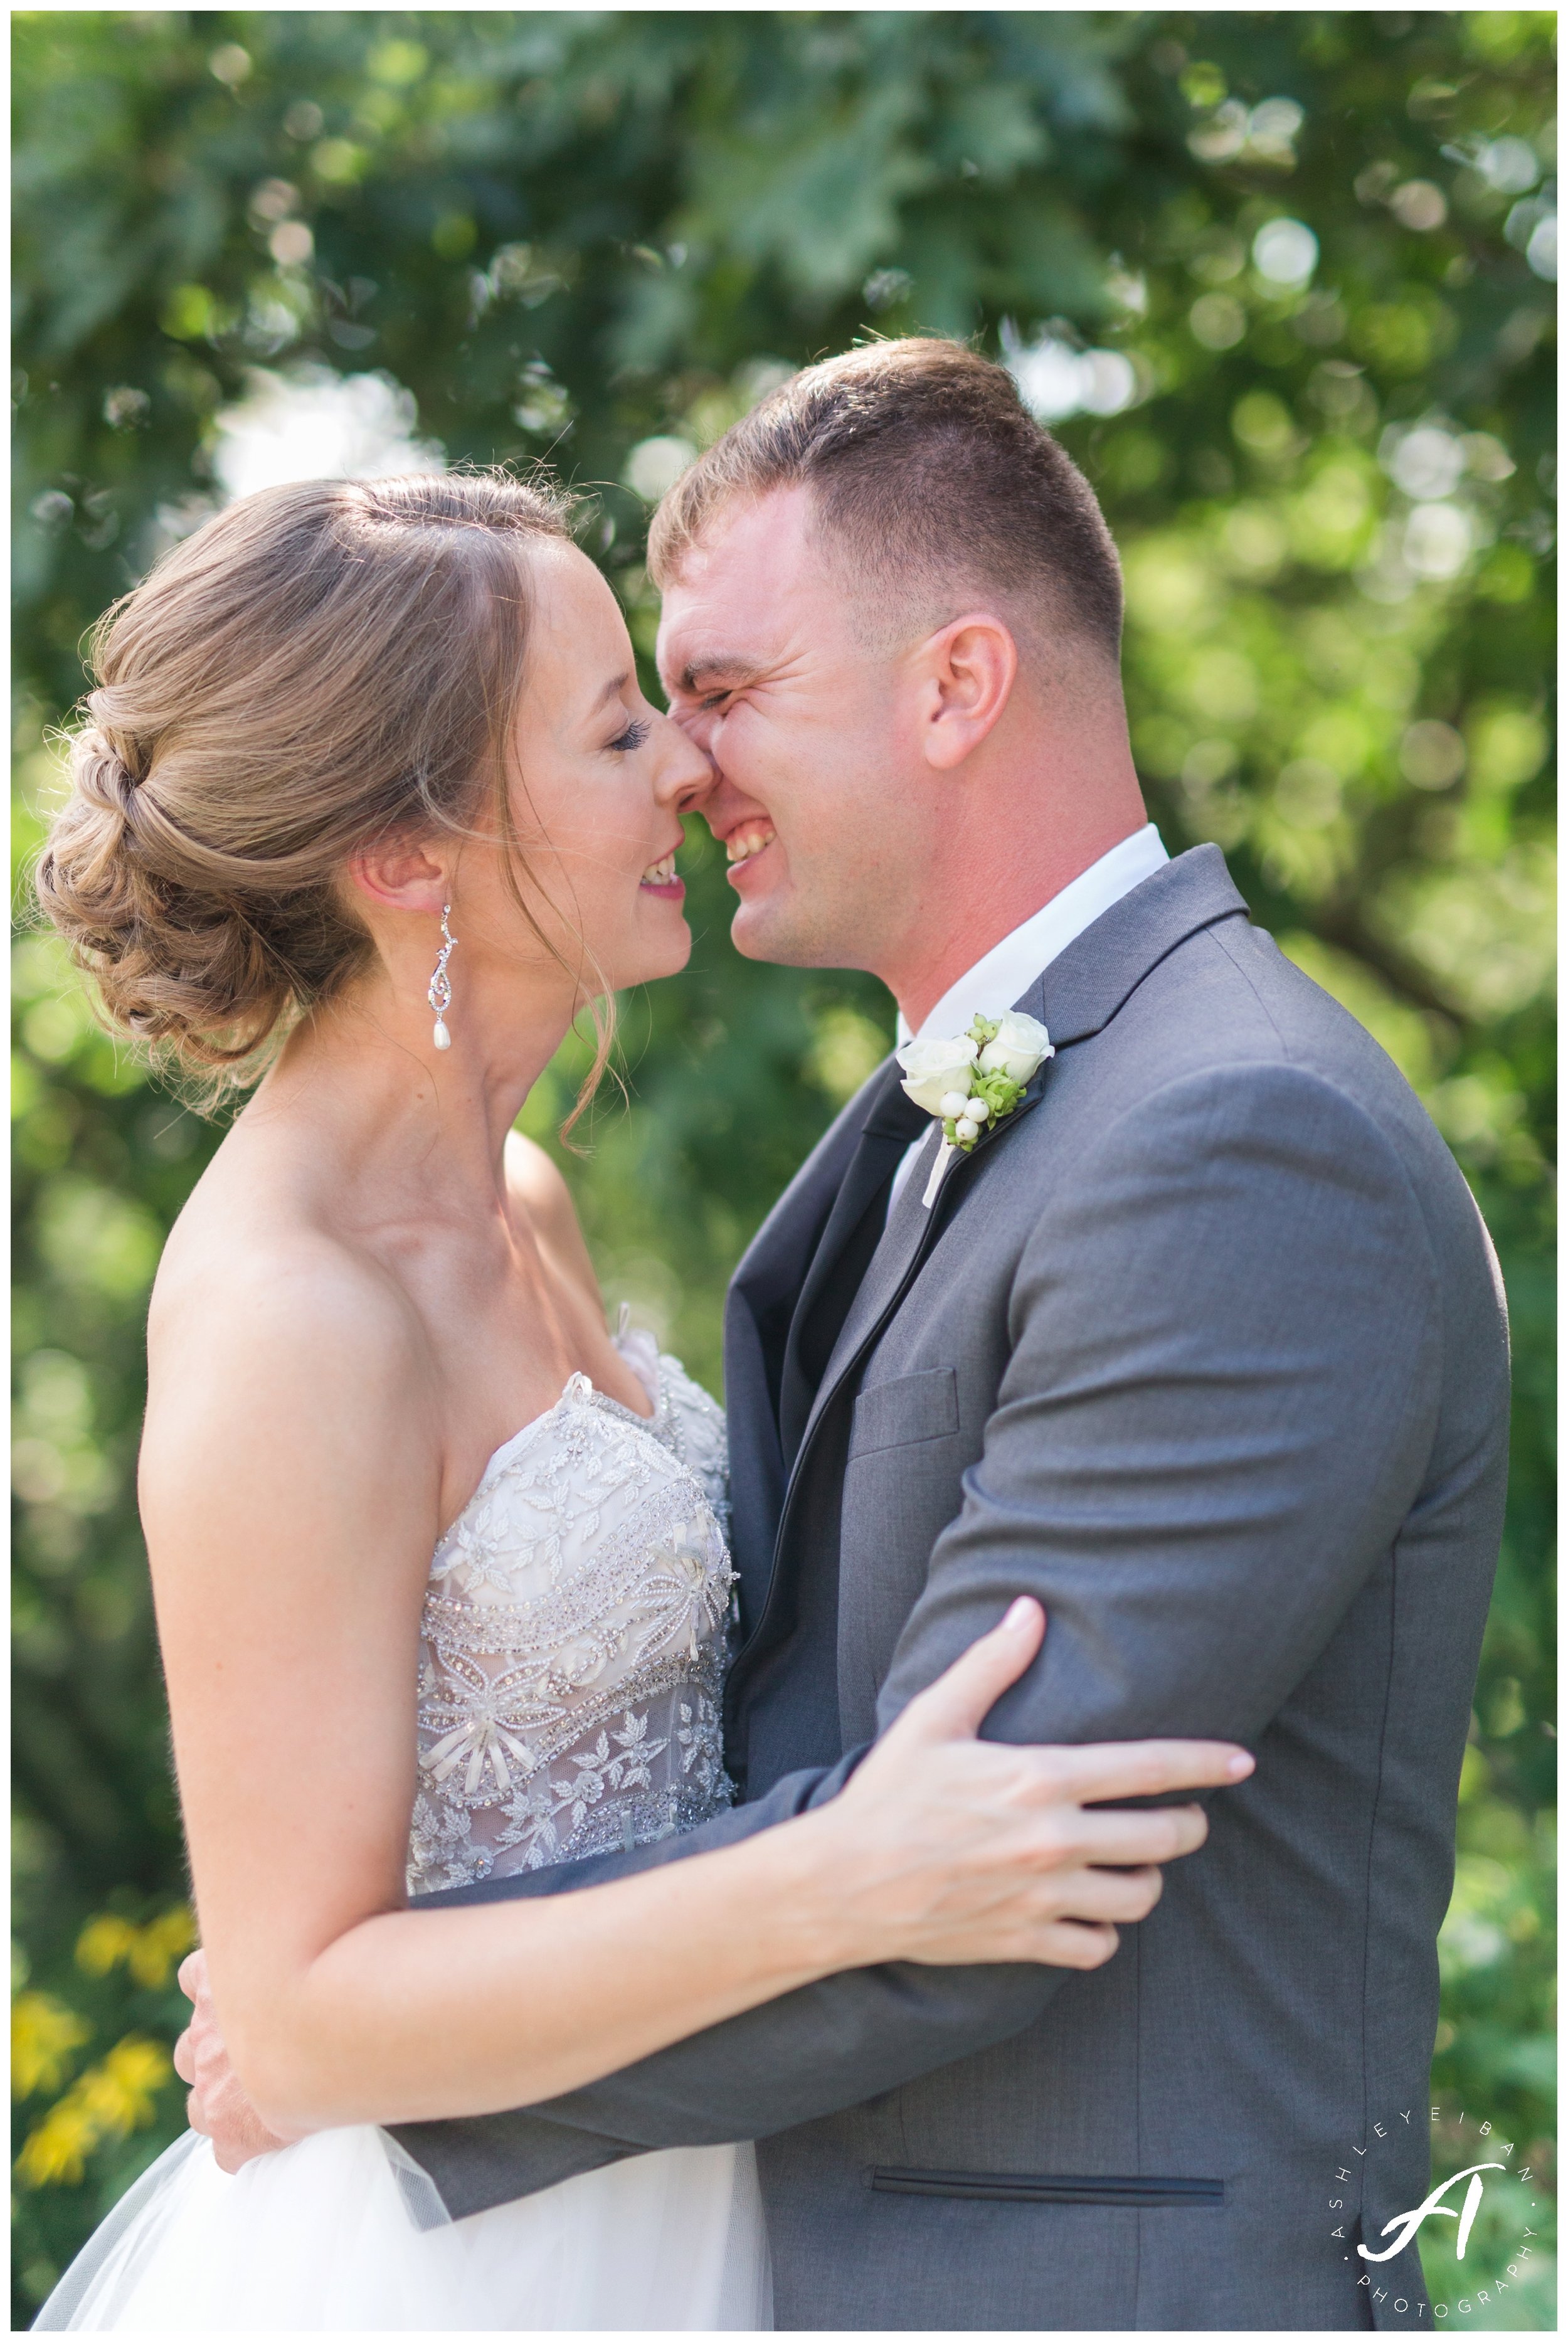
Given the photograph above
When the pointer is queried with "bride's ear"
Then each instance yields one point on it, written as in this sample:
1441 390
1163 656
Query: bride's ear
401 874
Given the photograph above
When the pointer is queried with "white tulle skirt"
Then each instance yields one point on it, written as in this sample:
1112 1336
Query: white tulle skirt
319 2238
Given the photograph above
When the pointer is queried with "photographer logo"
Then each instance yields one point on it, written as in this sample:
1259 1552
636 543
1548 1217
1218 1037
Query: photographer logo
1442 2203
1408 2223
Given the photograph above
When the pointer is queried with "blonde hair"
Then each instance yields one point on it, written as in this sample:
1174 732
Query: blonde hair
318 667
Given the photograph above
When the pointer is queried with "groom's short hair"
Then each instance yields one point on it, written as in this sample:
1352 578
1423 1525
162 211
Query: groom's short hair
933 484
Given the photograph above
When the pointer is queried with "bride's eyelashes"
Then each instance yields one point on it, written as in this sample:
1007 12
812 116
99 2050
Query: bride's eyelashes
634 735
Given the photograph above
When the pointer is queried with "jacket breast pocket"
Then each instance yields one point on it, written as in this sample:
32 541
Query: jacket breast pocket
909 1408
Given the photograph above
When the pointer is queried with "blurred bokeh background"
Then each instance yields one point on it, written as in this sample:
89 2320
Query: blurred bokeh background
1284 282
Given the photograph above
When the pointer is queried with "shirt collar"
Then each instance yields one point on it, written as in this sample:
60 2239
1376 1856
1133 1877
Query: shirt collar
1011 966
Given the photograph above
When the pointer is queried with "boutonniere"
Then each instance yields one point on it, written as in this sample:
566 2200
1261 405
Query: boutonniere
975 1078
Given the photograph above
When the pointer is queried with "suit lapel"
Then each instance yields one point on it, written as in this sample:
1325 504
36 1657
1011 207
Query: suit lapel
911 1231
1086 985
1077 996
846 1247
909 1238
758 1312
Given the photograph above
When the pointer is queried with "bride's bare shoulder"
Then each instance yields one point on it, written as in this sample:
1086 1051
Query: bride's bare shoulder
261 1304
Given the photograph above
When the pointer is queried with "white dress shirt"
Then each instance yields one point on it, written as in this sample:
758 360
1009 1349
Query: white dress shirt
1011 966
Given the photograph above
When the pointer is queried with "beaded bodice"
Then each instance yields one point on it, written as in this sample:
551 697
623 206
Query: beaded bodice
573 1640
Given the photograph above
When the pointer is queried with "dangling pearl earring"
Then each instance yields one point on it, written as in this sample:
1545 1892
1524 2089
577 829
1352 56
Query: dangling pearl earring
440 992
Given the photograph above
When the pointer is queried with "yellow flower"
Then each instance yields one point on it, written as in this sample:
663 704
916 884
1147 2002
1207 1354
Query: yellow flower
149 1953
108 2101
119 2093
160 1945
56 2154
44 2033
103 1943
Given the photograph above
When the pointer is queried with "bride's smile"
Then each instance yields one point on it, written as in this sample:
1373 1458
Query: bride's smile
564 889
600 781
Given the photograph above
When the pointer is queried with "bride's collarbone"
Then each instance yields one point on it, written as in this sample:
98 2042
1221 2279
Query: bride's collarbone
501 1372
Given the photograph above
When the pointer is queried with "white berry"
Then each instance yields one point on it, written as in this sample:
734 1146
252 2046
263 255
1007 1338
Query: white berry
954 1103
965 1131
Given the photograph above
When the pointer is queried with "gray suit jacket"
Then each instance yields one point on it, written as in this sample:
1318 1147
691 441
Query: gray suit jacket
1205 1347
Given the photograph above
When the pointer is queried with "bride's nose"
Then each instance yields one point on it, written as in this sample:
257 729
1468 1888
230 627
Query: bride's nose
687 775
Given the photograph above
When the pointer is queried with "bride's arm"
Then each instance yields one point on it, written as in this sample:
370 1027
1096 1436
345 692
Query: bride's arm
292 1496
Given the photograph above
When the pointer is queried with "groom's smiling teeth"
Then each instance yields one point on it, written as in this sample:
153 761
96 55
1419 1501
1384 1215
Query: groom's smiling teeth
742 843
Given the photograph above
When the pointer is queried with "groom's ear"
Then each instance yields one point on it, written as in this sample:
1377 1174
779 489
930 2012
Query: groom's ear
968 670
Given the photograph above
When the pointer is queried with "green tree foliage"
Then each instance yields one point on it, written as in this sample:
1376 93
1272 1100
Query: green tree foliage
1284 278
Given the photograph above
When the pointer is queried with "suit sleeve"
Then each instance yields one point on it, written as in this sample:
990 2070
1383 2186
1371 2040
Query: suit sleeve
1219 1404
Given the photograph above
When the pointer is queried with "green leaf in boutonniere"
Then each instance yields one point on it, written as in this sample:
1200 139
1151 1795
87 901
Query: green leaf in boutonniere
974 1080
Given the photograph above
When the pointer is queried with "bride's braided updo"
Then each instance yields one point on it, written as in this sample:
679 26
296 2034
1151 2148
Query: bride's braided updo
317 667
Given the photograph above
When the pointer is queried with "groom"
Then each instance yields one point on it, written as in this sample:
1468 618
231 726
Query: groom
1203 1344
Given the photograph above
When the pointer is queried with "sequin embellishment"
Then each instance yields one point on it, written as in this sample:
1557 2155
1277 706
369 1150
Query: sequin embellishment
573 1642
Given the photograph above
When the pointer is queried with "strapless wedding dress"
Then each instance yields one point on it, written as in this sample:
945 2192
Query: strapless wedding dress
572 1652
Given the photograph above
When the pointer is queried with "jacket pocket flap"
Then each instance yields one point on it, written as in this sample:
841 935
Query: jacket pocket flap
910 1407
1132 2193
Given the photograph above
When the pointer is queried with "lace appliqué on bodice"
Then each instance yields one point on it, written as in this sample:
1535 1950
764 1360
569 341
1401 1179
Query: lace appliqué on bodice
572 1643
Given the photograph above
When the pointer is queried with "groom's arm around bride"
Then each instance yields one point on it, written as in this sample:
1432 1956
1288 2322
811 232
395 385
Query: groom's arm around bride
1206 1353
1203 1345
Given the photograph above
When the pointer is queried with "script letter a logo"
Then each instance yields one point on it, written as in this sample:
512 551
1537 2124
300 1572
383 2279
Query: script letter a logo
1407 2223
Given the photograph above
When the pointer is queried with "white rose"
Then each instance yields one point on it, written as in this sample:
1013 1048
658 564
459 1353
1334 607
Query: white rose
935 1067
1020 1048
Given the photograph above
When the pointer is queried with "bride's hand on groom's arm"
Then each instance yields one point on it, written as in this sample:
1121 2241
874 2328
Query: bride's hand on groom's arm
960 1850
942 1849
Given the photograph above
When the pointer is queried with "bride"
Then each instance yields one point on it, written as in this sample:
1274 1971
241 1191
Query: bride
369 794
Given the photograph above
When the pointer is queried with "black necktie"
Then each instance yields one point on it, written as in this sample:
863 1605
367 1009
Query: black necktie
851 1235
